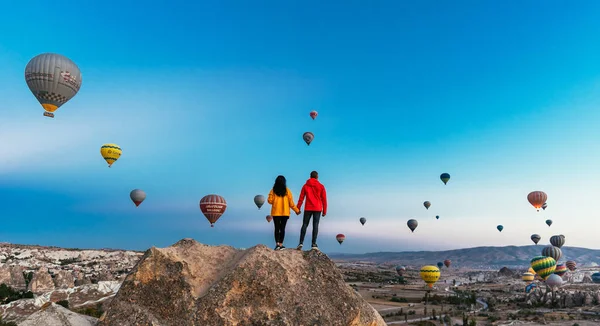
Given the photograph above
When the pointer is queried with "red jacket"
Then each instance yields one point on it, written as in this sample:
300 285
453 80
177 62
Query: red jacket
316 196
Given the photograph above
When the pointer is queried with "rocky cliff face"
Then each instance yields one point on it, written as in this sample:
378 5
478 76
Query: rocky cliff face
54 315
194 284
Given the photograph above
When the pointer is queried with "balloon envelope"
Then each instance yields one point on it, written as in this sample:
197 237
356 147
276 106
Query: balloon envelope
557 241
560 270
445 177
447 262
213 206
412 224
536 238
549 222
543 266
314 114
537 199
500 228
53 79
554 281
427 204
430 274
596 277
571 265
269 218
552 251
259 200
440 264
528 277
340 238
437 217
110 153
363 220
544 206
308 137
137 196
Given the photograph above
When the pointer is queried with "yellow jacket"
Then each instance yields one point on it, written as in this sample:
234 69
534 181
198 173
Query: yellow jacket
280 206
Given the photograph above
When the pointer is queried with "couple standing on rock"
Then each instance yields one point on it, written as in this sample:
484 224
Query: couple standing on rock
281 201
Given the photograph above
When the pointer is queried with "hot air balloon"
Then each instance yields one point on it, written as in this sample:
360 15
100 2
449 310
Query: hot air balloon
500 228
552 251
269 218
259 200
447 262
536 238
363 220
437 217
430 274
528 277
560 269
440 264
308 137
530 270
557 241
412 224
340 238
544 206
445 177
530 287
213 206
554 281
596 277
427 204
549 222
543 266
314 114
53 79
537 199
400 270
110 153
137 196
571 265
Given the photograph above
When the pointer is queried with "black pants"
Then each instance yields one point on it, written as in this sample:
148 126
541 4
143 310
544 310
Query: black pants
316 217
280 222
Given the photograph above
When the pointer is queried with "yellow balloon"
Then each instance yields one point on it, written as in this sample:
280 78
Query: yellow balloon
430 274
530 270
528 277
110 153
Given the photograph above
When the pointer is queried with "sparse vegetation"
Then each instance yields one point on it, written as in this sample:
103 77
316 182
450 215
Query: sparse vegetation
64 303
8 294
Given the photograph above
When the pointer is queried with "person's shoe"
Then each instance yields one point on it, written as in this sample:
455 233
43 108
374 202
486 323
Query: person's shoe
282 247
277 247
299 247
315 247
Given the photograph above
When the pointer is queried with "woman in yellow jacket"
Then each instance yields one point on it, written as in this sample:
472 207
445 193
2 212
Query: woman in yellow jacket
281 200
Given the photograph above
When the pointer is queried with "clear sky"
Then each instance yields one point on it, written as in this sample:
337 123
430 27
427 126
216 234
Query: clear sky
213 97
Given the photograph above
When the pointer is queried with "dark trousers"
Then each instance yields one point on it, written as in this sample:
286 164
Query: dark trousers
316 215
280 222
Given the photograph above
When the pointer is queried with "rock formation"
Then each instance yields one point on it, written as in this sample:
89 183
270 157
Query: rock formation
193 284
13 277
64 280
52 314
41 282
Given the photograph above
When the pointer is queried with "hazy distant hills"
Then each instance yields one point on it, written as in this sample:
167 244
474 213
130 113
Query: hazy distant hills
478 257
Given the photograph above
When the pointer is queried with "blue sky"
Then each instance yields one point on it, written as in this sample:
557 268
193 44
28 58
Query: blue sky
213 97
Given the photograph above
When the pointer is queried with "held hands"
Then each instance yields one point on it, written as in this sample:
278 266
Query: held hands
298 212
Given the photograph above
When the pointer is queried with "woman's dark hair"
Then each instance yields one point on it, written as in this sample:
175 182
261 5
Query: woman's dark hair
280 186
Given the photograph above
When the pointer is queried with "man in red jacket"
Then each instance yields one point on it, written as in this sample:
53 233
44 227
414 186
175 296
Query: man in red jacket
316 202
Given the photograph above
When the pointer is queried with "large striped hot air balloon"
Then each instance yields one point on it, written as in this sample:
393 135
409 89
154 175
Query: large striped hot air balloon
571 265
213 206
110 153
528 277
537 199
552 251
543 266
560 270
430 274
53 79
557 240
596 277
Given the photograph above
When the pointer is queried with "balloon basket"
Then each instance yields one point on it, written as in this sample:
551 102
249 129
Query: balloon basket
49 114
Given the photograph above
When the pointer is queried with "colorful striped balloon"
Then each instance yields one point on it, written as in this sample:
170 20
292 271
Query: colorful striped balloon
537 199
560 270
552 251
543 266
528 277
571 265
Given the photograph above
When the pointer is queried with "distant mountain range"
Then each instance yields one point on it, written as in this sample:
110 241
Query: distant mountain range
478 257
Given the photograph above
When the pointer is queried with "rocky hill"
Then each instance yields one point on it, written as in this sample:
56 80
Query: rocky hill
194 284
492 258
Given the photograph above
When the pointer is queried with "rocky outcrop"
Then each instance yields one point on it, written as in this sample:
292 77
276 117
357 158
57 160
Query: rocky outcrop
52 314
193 284
13 277
64 280
41 282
